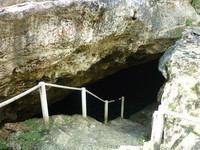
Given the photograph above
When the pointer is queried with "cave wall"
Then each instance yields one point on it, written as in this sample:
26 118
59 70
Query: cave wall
69 42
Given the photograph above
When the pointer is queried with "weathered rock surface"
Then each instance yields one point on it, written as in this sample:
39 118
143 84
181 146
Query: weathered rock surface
76 42
181 67
71 133
196 5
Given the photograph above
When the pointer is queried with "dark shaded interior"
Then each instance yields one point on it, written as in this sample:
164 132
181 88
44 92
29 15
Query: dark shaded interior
139 84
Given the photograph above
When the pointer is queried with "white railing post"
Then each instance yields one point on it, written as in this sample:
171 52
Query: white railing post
106 112
153 129
122 107
43 99
84 104
157 130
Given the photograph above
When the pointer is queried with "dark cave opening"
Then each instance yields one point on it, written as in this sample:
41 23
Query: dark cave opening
138 84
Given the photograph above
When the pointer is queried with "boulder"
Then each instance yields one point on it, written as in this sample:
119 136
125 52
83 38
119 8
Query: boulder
180 66
76 42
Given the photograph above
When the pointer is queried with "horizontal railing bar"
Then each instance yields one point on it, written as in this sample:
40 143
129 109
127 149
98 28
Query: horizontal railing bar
18 96
119 99
111 101
95 96
189 118
63 87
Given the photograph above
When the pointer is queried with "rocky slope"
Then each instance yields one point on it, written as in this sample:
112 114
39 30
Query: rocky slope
181 67
77 42
78 133
72 133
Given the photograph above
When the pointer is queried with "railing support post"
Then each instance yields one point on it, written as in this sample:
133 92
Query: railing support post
153 129
84 105
43 99
122 107
157 129
106 112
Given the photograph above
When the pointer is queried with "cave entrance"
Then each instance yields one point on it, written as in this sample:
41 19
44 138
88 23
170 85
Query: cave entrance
138 84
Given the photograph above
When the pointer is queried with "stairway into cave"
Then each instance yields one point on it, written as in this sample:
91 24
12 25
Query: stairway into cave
139 84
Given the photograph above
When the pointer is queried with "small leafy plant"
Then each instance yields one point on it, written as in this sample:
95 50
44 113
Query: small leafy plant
189 22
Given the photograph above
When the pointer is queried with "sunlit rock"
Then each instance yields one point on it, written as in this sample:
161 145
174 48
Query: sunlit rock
181 67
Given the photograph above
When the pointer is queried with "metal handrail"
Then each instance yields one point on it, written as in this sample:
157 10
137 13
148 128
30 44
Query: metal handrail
95 96
19 96
43 98
63 87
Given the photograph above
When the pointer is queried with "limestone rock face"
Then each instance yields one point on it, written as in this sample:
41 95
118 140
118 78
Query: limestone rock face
75 42
181 67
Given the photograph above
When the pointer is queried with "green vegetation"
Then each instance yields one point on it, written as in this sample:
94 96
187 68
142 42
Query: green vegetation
142 141
33 134
3 146
35 124
189 22
169 62
27 139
